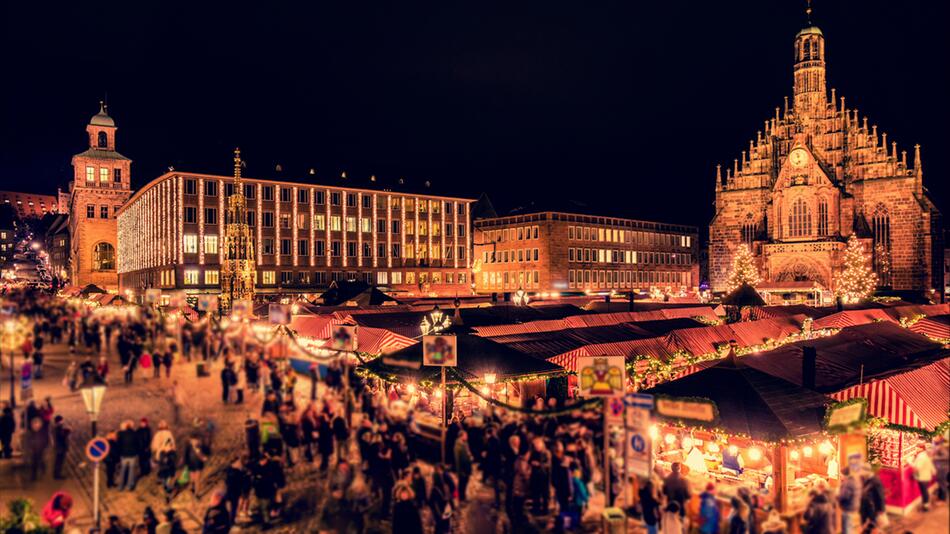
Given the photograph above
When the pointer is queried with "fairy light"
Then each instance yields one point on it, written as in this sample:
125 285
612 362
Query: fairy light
277 250
857 280
375 234
669 439
201 221
411 389
313 229
343 221
794 455
687 443
654 432
455 234
359 230
755 454
808 451
293 222
260 222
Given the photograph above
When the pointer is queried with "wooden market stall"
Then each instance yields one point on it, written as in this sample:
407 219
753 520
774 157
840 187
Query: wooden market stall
738 427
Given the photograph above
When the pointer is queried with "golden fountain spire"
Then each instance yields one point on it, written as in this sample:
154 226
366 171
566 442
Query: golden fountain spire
237 165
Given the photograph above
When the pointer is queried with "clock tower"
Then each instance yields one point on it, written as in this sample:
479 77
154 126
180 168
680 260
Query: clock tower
100 186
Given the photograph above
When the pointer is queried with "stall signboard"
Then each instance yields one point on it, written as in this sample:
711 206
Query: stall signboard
639 448
208 303
153 296
278 313
242 309
690 409
440 350
601 376
343 337
846 416
177 299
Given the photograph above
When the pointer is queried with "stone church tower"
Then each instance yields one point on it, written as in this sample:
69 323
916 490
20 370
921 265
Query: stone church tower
100 185
816 173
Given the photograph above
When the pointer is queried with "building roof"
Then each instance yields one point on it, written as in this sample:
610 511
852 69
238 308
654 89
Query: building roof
865 352
360 293
102 118
811 30
476 356
751 402
101 154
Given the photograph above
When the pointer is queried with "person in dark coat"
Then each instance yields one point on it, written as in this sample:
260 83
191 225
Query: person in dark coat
650 504
267 477
61 432
341 433
405 512
325 441
37 439
111 461
237 484
463 463
440 502
676 488
7 428
819 515
872 500
144 433
217 518
127 442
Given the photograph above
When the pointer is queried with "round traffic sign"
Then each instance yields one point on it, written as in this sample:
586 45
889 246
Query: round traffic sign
638 443
97 449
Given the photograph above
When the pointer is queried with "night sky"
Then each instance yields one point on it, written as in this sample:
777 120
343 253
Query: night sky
625 106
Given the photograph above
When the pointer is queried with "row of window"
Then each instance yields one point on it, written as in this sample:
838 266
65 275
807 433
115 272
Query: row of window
104 174
286 194
103 211
614 235
337 223
190 246
520 233
509 256
511 280
577 278
627 256
212 277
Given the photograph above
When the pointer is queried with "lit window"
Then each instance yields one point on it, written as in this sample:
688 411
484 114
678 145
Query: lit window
319 222
285 221
211 277
211 245
191 277
103 257
190 243
336 223
268 277
103 176
366 225
90 175
351 224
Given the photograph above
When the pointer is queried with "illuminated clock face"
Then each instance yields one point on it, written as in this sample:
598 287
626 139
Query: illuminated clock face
798 157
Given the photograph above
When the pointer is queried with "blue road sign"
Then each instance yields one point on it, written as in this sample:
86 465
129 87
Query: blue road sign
639 400
97 449
637 443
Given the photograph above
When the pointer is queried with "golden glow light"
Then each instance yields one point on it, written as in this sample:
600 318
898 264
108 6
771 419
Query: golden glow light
826 448
713 447
755 454
733 450
687 443
808 451
654 432
669 439
794 455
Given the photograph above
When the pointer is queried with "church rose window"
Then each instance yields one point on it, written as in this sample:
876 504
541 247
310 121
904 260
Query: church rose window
103 257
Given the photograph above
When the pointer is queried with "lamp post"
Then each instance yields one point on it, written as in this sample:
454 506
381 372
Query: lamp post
92 397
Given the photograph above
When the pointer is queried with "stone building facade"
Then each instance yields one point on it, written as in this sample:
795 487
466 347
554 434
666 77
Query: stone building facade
569 252
816 173
100 186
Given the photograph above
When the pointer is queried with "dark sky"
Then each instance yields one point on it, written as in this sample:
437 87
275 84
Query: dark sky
627 106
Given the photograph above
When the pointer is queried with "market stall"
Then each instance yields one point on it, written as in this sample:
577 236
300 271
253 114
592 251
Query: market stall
738 428
498 371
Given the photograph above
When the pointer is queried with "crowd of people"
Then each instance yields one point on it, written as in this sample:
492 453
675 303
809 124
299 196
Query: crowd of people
361 460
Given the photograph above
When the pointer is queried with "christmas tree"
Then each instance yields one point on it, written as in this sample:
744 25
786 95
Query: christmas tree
856 280
743 270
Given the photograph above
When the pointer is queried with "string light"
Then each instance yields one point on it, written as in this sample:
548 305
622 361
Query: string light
808 451
793 455
857 280
669 439
744 270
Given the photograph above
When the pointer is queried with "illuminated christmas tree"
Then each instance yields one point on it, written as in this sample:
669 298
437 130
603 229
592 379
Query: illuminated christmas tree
856 280
744 270
882 262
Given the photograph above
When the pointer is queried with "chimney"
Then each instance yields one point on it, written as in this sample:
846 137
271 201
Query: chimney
809 367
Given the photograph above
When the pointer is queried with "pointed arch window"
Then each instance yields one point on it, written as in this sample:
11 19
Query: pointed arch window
102 140
881 231
822 217
748 229
799 219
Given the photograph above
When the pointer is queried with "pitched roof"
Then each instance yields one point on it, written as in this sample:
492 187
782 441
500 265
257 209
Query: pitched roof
751 402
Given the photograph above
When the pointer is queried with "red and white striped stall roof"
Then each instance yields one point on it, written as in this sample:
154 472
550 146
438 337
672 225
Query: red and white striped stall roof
848 318
918 398
933 327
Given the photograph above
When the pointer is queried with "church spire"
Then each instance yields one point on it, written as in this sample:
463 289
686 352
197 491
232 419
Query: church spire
237 165
809 71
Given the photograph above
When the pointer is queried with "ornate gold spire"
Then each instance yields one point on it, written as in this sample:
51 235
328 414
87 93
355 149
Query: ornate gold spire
237 165
808 12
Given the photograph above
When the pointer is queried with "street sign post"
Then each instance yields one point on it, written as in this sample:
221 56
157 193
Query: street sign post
639 443
96 450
